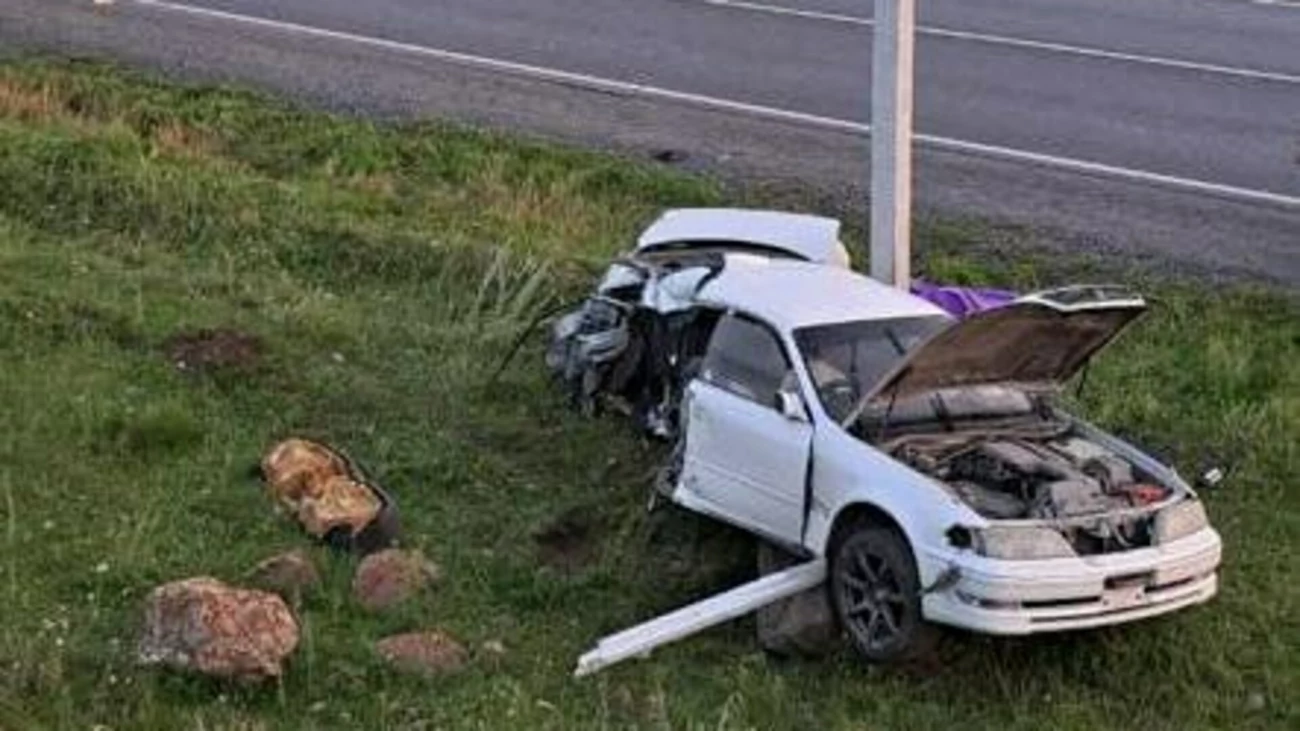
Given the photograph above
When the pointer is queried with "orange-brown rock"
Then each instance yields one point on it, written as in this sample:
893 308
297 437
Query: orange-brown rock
205 626
316 484
288 574
340 502
428 653
392 576
297 468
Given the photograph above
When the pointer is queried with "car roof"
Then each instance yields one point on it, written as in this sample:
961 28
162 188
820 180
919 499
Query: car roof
794 294
814 238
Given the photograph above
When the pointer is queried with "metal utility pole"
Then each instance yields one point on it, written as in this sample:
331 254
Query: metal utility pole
891 141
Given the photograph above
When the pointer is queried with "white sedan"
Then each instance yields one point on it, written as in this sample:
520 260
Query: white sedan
925 459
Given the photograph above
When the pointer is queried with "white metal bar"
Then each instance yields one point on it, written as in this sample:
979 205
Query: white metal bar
640 640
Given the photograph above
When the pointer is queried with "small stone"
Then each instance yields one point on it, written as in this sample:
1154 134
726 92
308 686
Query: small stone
390 577
205 626
289 574
427 653
1255 702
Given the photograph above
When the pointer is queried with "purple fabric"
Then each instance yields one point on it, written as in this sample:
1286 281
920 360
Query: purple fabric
962 301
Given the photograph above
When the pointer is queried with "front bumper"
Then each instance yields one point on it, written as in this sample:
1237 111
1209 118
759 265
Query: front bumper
1024 597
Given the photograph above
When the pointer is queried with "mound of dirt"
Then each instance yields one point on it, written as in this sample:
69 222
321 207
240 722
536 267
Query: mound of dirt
207 350
568 543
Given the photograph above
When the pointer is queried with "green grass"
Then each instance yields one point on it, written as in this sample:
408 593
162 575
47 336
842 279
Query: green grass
387 270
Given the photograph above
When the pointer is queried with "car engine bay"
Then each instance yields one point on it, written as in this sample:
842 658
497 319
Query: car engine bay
1060 477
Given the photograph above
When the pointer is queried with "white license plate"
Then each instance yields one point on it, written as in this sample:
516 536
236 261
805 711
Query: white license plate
1122 598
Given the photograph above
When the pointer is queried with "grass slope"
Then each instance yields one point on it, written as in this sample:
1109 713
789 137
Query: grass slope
386 270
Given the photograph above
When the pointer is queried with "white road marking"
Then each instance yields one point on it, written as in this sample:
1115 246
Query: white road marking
1279 3
629 89
1048 46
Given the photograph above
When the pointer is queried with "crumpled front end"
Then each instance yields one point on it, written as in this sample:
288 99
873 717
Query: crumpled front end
1025 597
635 342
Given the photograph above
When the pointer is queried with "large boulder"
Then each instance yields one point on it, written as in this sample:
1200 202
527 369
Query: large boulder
801 625
205 626
392 576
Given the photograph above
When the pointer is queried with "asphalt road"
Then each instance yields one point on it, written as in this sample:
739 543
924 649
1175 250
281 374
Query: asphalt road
1166 129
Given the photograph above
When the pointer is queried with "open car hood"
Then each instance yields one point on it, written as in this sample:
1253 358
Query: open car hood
1039 341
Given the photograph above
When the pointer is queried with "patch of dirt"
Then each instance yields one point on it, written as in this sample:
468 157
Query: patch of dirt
568 543
24 102
208 350
174 138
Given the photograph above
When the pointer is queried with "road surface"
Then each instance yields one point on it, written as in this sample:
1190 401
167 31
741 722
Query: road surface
1167 129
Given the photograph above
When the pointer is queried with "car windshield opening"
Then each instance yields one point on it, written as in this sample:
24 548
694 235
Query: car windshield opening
847 359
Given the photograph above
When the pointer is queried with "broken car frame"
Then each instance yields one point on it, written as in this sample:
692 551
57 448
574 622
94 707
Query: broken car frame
920 464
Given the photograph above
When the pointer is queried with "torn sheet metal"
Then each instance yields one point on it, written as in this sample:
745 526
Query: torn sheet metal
640 640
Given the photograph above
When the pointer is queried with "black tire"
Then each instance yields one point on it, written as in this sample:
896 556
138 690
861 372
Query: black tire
877 595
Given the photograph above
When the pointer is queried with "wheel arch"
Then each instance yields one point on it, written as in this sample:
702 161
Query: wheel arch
921 637
861 511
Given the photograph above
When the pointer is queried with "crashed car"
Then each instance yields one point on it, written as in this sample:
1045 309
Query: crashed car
925 459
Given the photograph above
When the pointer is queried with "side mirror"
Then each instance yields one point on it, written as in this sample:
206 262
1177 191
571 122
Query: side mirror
791 406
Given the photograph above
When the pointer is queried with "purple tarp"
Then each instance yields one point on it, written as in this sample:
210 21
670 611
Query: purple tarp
962 301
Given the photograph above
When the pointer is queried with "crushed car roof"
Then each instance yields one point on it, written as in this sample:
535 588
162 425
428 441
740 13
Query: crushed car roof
814 238
793 294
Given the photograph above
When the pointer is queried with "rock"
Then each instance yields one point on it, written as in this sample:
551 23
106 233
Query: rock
392 576
803 624
205 626
318 486
289 574
429 653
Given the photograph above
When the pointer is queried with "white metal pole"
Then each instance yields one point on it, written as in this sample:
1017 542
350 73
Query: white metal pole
891 141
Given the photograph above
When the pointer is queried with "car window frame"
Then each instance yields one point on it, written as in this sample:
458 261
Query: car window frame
790 378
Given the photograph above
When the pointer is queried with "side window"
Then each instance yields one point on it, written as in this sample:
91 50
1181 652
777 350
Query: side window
746 359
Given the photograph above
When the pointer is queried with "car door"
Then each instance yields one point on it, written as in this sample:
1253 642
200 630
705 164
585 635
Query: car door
745 460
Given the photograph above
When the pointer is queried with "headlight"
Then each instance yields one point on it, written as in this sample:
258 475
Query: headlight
1020 544
1180 521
